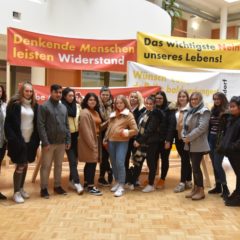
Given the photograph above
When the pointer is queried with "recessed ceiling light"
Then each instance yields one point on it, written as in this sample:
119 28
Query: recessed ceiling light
231 1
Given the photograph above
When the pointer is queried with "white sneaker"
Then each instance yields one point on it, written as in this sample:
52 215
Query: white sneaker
79 188
119 191
17 197
148 188
24 194
115 187
129 186
179 188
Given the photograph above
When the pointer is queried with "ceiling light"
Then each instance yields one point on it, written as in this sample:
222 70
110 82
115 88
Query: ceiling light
231 1
195 26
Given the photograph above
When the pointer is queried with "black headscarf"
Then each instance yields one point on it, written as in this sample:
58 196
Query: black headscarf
71 107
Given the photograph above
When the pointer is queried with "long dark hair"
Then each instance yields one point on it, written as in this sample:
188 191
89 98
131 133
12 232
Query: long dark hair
165 101
223 106
4 95
84 103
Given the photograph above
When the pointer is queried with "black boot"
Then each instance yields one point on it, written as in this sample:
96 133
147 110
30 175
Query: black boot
233 202
225 192
217 189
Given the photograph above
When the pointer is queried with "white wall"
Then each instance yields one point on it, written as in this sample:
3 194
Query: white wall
97 19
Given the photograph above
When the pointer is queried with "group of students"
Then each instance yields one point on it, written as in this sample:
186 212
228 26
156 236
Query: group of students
115 131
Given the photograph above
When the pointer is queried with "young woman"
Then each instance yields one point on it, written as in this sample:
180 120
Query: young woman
219 112
3 106
230 147
122 126
168 128
137 108
22 136
195 137
89 144
73 108
146 144
186 168
106 107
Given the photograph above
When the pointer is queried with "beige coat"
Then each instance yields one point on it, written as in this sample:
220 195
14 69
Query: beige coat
117 124
87 139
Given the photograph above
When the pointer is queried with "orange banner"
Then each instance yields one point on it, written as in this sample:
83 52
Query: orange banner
43 92
33 49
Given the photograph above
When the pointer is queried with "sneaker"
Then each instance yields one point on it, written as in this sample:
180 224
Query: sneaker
17 197
160 184
137 184
44 193
188 185
103 182
148 188
2 197
24 194
94 191
59 190
115 187
179 188
129 186
119 191
110 176
79 188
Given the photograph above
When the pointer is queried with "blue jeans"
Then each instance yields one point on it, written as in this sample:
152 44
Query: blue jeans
117 152
217 159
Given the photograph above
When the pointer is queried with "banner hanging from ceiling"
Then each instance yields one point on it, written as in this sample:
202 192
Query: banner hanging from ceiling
160 51
34 49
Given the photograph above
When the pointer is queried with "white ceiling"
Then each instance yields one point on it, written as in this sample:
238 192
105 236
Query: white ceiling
212 6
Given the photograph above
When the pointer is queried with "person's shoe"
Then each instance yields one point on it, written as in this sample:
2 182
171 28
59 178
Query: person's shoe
115 187
17 198
194 189
148 188
188 185
2 197
59 190
94 191
110 176
129 186
199 194
216 190
232 196
225 191
137 184
179 188
79 188
160 184
24 194
119 191
44 193
234 202
103 182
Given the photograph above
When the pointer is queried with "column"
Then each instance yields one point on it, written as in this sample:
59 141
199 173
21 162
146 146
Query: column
223 22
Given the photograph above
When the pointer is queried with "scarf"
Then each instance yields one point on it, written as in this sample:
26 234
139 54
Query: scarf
71 107
141 152
105 109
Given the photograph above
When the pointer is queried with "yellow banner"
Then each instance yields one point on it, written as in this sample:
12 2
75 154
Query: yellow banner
158 50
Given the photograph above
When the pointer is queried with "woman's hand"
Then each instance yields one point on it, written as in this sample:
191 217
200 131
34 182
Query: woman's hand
167 145
136 144
186 140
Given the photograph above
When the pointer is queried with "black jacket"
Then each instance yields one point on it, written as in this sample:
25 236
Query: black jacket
17 149
152 132
137 113
230 143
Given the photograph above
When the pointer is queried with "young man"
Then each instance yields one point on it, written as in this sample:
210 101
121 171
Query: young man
55 137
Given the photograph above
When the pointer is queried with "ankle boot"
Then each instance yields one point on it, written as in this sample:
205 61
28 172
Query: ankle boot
225 192
194 189
199 194
217 189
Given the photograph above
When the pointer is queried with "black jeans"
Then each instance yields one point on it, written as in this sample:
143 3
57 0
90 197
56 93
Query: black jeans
89 173
196 159
72 155
152 160
105 164
186 168
235 163
2 153
164 153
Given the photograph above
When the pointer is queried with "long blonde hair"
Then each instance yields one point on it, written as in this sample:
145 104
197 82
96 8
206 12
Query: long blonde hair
124 99
140 99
